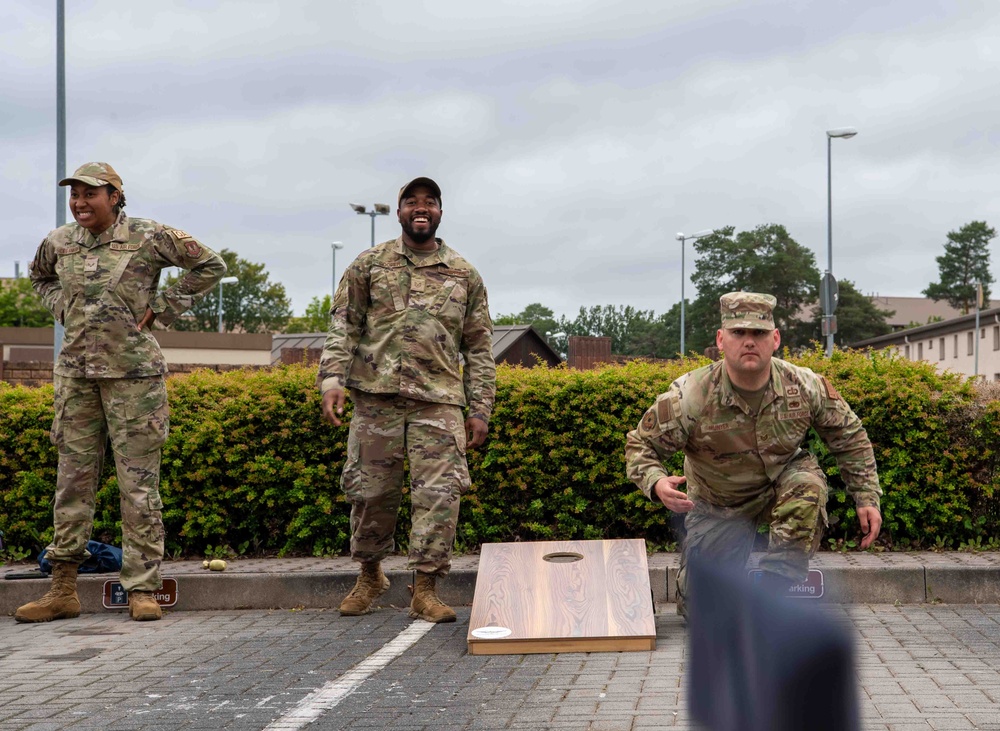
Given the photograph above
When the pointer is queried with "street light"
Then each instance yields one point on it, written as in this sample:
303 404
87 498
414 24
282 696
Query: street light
378 209
224 280
682 238
334 246
828 290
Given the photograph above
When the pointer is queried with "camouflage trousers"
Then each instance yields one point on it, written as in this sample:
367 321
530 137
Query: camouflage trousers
385 430
794 507
134 413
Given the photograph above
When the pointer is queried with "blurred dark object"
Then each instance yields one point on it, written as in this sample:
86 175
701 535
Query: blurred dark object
759 663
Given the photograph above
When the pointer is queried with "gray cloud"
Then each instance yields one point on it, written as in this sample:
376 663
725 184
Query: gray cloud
572 139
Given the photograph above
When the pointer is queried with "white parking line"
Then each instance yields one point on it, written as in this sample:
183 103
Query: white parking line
323 699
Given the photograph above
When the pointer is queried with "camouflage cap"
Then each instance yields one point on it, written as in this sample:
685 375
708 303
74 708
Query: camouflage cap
435 188
95 173
747 310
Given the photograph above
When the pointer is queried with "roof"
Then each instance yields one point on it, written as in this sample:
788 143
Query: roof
921 310
932 330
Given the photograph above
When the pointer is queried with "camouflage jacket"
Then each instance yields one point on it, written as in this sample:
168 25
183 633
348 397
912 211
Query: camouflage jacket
730 455
400 323
99 288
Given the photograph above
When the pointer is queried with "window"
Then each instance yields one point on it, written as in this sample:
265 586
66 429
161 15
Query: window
972 343
956 346
920 351
996 337
941 345
907 352
982 334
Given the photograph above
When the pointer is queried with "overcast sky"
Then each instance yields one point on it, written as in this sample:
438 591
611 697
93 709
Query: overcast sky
572 139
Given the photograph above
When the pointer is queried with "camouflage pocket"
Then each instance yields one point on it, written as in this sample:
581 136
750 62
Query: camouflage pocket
59 407
154 501
147 419
462 464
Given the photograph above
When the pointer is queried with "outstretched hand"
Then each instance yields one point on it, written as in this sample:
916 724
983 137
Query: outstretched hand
666 488
871 523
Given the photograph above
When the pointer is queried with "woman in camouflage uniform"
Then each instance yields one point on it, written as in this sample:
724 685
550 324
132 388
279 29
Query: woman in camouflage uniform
99 278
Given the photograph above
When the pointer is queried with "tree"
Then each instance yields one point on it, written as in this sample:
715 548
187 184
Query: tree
857 319
316 319
254 304
537 315
765 260
20 305
632 331
966 261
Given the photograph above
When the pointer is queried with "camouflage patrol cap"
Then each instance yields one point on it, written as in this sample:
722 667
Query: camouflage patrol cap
96 174
747 310
435 188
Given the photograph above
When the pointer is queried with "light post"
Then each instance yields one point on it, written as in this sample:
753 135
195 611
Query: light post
334 247
682 238
378 209
58 331
224 280
829 289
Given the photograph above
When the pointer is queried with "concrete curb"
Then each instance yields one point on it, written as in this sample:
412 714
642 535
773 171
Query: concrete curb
322 583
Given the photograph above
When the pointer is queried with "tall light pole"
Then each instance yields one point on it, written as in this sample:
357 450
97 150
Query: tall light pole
224 280
58 331
682 238
378 209
334 247
829 283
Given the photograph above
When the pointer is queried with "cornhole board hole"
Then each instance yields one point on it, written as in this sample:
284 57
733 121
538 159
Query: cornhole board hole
562 596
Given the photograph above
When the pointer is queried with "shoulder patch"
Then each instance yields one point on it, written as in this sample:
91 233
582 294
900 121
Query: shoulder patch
664 411
831 392
178 234
649 421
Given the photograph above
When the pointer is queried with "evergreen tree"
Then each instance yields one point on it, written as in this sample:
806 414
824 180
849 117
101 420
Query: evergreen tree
966 261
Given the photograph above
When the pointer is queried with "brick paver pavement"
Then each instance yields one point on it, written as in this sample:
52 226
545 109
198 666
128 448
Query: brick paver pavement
927 667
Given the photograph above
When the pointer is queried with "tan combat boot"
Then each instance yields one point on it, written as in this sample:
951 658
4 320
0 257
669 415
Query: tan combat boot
371 584
425 604
59 602
142 606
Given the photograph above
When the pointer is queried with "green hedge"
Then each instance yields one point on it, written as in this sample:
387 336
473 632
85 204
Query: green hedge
250 467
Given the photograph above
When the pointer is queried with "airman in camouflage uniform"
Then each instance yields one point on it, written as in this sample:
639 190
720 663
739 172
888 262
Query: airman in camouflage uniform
404 316
741 424
99 278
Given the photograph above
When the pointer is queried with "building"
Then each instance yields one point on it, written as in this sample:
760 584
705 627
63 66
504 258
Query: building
950 345
917 310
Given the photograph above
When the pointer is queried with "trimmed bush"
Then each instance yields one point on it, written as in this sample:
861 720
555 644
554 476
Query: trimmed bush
250 467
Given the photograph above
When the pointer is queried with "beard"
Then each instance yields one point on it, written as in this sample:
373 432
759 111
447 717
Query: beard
420 237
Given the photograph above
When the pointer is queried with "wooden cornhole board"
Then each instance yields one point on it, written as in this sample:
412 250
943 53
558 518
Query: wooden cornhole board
562 596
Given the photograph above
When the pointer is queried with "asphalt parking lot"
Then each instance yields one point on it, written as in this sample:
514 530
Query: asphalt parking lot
928 666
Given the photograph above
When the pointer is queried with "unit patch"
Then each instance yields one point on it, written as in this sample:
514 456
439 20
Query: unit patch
649 421
831 392
192 247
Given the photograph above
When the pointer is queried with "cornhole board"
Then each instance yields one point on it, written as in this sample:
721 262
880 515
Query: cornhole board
562 596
